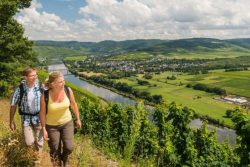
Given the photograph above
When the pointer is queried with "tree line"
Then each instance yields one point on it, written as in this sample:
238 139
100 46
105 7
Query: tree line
206 88
124 87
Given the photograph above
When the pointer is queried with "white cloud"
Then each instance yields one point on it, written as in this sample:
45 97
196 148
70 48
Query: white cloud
131 19
41 25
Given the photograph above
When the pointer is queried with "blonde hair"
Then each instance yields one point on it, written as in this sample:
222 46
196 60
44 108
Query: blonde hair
52 77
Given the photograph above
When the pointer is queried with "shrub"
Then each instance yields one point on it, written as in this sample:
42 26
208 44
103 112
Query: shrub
15 151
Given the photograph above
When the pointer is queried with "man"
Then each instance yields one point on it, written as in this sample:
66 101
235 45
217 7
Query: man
27 97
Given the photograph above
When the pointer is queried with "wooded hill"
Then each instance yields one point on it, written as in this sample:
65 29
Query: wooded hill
152 46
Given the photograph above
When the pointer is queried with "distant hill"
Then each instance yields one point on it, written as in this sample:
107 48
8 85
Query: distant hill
51 51
152 46
103 47
243 42
186 45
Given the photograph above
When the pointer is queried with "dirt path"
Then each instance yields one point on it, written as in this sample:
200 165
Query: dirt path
4 110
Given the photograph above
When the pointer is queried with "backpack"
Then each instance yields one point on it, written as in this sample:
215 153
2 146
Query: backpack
21 88
46 96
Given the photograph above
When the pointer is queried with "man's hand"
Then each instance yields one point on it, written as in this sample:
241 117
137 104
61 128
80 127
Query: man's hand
12 114
12 126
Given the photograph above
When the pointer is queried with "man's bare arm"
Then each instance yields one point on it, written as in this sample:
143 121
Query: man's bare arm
12 114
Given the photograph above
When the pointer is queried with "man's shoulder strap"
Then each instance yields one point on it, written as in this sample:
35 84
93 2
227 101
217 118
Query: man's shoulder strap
21 92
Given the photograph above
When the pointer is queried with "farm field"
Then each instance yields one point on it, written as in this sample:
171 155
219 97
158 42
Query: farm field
176 90
181 54
212 54
136 56
75 58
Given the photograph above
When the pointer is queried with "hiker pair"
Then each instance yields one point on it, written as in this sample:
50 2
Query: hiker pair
45 114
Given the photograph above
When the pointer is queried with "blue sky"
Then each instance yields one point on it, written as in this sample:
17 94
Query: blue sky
98 20
66 9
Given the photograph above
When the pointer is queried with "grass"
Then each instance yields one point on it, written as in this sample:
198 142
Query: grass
176 90
86 155
211 54
234 82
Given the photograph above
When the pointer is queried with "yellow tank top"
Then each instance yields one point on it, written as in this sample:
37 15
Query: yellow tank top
58 113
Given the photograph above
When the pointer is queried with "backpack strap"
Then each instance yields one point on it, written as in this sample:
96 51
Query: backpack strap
21 93
46 96
46 99
66 89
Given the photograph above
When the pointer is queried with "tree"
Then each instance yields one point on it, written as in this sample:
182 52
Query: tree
242 127
15 49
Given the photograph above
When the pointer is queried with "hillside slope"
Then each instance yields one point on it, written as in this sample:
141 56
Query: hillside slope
84 154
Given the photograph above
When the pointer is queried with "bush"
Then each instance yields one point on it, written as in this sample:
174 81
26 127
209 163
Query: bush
15 152
141 82
148 76
172 77
229 113
4 89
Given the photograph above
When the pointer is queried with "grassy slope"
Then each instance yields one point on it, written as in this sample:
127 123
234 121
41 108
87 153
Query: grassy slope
84 154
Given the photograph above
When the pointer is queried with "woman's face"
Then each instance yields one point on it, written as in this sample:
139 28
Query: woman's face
59 82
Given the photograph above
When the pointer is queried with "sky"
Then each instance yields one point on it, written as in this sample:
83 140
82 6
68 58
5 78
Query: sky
99 20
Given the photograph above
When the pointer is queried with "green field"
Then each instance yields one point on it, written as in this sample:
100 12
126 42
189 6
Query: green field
135 56
205 53
176 90
199 53
75 58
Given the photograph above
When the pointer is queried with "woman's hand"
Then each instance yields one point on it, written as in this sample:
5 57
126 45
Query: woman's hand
45 134
78 123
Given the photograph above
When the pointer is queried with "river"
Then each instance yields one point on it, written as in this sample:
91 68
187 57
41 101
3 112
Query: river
222 133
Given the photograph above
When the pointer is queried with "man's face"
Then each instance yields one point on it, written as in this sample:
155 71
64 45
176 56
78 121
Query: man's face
31 77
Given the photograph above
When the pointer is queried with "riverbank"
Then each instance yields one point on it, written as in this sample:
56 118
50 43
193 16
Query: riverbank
212 120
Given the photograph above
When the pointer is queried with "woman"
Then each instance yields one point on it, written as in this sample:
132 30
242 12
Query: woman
56 119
